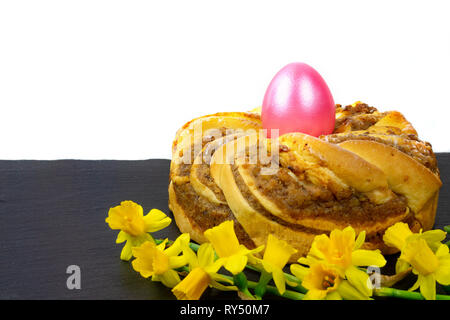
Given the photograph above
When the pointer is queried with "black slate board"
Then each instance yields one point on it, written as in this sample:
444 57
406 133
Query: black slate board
52 215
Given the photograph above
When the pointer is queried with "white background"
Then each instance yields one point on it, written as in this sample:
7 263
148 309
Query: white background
116 79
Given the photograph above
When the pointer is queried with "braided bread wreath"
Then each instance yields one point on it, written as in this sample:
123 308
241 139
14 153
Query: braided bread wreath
372 172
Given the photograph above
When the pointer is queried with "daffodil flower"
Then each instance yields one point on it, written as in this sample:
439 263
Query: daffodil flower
276 256
203 273
159 262
424 253
232 255
134 227
427 265
342 250
397 236
323 281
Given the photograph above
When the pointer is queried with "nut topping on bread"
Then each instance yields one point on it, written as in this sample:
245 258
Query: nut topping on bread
372 172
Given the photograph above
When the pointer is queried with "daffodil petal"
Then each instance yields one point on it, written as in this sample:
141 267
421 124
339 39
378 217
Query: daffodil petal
363 257
444 262
178 245
420 256
348 233
443 252
433 236
278 278
416 285
428 286
214 267
396 235
162 245
254 261
443 275
360 240
144 272
334 295
205 255
267 266
137 241
360 280
126 252
277 251
156 220
309 260
122 237
169 278
223 239
299 271
191 257
315 294
401 265
320 241
236 263
348 292
256 250
177 262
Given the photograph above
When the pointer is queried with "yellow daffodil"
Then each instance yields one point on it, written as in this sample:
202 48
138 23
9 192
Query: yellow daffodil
158 262
233 255
342 250
134 227
424 253
276 256
399 234
193 285
203 273
427 265
323 281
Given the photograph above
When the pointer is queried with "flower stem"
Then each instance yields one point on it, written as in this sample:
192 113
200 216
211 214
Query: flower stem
261 288
291 278
240 281
293 295
289 294
404 294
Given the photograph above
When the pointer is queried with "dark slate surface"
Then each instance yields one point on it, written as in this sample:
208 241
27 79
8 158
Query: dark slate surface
52 215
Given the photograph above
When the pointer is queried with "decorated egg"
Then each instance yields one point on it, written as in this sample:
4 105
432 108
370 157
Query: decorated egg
298 100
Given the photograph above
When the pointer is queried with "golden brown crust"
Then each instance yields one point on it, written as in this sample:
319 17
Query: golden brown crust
373 164
241 193
354 170
404 174
427 214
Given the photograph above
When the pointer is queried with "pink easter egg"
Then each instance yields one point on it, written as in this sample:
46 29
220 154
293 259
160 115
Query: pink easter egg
298 100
